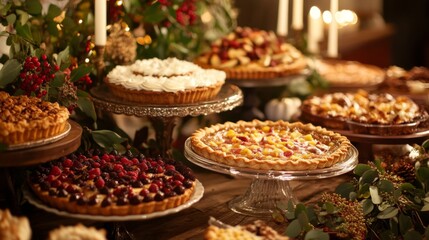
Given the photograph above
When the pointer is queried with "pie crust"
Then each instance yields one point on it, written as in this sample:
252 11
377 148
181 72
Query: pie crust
24 119
271 145
73 185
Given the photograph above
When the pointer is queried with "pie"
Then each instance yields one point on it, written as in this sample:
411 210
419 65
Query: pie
79 232
250 53
24 119
349 73
110 184
416 80
270 145
258 230
169 81
340 110
12 227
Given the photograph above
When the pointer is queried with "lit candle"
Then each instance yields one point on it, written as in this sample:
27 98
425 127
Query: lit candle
282 18
100 22
315 29
333 31
298 14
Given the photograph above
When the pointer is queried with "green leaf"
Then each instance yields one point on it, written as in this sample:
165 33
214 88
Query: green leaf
425 144
24 31
106 138
79 72
311 214
52 29
405 223
53 11
63 59
369 176
34 7
290 213
344 189
303 220
11 18
9 72
23 17
396 194
423 174
81 93
87 106
153 14
385 186
394 226
293 229
363 191
407 187
361 168
316 234
58 80
389 212
412 235
367 206
299 208
278 216
330 207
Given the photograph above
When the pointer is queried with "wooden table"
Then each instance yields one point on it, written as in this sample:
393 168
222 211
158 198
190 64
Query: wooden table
192 222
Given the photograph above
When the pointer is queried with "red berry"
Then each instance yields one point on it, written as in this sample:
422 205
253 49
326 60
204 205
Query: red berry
142 176
177 183
50 178
68 163
118 167
56 171
153 188
105 157
179 177
125 161
143 166
56 68
95 171
44 57
99 183
56 183
144 192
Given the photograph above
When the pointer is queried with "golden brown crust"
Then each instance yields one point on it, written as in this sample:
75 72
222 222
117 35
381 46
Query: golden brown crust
24 119
142 208
337 152
151 97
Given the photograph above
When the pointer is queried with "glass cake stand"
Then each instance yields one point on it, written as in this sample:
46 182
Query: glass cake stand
269 187
163 117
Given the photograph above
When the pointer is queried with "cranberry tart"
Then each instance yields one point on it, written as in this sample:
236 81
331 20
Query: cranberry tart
271 145
25 119
111 184
249 53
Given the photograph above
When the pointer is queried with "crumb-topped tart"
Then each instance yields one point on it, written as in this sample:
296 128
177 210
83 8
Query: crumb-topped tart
110 184
416 80
168 81
24 119
14 228
270 145
362 107
258 230
249 53
78 232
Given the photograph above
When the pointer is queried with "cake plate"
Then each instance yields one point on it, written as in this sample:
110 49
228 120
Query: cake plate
249 110
163 117
269 187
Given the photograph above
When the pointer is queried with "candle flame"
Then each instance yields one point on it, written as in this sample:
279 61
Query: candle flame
327 17
315 12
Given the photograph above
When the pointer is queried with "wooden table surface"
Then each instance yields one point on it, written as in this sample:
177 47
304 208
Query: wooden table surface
192 222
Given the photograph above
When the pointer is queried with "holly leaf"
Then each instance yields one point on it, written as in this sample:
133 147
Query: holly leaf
79 72
107 138
294 229
53 11
63 59
9 72
58 81
87 106
316 234
34 7
24 31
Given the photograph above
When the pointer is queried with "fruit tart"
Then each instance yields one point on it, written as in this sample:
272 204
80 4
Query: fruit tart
24 119
249 53
110 184
270 145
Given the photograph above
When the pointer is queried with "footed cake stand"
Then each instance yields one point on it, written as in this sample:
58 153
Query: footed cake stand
269 186
163 117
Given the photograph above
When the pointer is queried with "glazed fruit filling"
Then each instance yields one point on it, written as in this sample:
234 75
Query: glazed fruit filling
107 179
271 142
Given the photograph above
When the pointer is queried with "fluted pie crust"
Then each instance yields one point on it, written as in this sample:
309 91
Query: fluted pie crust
24 119
271 145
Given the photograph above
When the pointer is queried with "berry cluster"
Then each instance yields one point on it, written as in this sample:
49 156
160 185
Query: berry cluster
35 75
186 13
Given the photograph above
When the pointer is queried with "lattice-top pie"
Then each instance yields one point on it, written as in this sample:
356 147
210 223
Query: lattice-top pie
271 145
24 119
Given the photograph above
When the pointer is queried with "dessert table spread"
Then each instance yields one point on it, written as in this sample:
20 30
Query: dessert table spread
191 223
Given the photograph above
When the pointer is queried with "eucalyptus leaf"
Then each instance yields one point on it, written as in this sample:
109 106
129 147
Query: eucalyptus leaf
87 106
361 168
407 187
312 216
389 212
367 206
369 176
344 189
11 18
396 194
412 235
425 144
423 174
353 196
299 208
375 196
303 220
278 216
106 138
79 72
9 72
290 213
363 191
394 225
385 186
34 7
294 229
316 234
405 223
